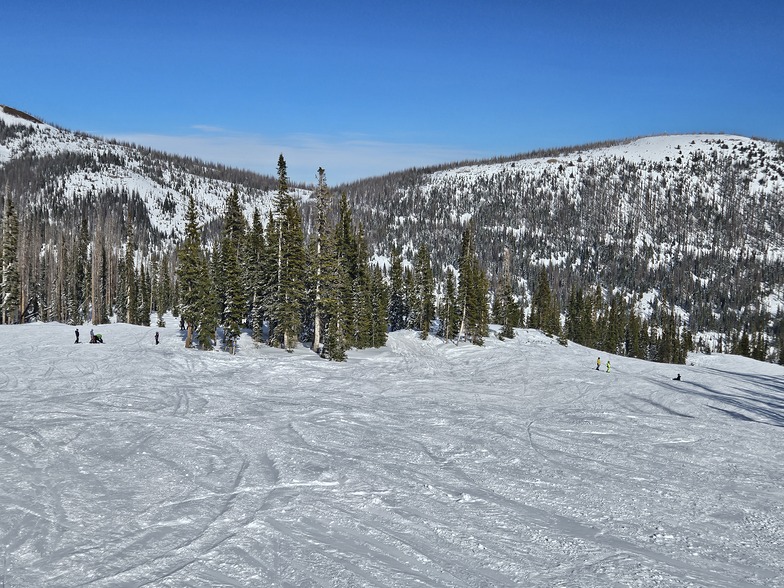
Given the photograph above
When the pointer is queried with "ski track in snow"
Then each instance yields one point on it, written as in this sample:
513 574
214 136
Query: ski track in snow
420 464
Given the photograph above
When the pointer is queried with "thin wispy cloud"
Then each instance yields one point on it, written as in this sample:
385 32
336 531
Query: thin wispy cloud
208 129
345 158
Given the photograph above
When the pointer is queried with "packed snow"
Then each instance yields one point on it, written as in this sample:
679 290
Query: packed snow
423 463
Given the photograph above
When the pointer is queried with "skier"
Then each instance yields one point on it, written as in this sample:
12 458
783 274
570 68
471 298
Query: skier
77 335
92 336
598 363
156 337
608 366
677 378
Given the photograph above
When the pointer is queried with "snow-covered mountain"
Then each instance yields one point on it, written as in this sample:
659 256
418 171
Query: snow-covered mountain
419 464
690 222
78 169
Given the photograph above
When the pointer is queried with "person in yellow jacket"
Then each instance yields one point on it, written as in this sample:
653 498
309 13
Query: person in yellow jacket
598 363
608 366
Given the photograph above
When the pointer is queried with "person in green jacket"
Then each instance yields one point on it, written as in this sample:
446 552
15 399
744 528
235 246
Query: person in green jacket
608 366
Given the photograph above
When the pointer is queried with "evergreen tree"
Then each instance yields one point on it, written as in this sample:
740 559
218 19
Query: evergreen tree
781 342
257 276
687 345
229 281
448 307
131 304
335 283
507 311
99 293
472 291
410 297
615 325
10 301
380 302
423 278
744 345
398 313
759 349
572 320
234 295
209 305
81 275
323 198
145 298
552 323
361 300
164 290
268 275
191 270
645 341
545 313
632 347
351 254
288 299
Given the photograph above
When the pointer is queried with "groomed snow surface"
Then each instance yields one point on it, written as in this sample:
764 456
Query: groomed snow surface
419 464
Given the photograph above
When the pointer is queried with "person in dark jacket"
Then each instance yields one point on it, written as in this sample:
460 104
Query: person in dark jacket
156 337
77 335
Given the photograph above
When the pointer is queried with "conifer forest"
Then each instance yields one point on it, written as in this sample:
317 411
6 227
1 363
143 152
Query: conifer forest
649 248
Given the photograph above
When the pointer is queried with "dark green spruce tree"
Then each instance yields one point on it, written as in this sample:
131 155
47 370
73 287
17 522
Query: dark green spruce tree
256 276
506 309
450 320
323 198
379 297
398 311
425 295
10 285
130 294
230 280
289 291
336 282
191 271
472 291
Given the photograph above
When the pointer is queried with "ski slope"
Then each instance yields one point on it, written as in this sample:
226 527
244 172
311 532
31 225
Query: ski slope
419 464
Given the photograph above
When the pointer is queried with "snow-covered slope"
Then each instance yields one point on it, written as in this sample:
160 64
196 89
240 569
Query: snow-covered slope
694 220
420 464
158 181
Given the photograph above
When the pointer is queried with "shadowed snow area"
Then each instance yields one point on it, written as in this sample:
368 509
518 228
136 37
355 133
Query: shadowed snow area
419 464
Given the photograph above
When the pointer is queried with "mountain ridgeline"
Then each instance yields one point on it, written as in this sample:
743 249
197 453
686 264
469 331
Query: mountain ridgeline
648 247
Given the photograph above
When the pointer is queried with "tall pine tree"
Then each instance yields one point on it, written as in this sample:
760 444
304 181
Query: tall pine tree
289 290
10 302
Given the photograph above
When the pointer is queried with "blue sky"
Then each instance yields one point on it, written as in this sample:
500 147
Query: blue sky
363 88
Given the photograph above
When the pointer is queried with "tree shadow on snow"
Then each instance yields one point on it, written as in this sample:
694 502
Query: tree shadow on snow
754 397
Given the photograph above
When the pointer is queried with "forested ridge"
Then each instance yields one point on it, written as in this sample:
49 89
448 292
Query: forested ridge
649 255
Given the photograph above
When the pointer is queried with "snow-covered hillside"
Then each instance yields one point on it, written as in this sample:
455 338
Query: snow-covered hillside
695 221
671 151
159 182
419 464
